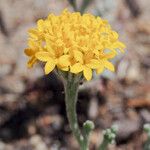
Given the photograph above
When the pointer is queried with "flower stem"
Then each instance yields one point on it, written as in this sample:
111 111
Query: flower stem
147 130
71 91
104 145
73 3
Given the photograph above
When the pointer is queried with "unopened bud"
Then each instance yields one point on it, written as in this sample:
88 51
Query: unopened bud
88 125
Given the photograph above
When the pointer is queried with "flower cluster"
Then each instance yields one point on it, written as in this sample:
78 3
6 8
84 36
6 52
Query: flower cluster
73 42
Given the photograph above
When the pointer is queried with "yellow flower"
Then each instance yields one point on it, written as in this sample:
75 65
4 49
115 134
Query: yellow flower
73 42
34 47
86 62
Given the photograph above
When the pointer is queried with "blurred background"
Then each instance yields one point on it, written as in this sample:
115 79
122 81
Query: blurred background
32 109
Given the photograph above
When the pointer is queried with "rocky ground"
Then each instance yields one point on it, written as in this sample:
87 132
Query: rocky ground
32 109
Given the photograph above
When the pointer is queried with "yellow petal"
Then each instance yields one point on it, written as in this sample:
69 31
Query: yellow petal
115 35
49 66
31 62
66 50
29 52
76 68
109 65
59 42
93 64
32 44
40 24
33 33
87 72
49 46
110 54
63 68
96 52
43 56
48 26
78 56
64 61
100 69
119 45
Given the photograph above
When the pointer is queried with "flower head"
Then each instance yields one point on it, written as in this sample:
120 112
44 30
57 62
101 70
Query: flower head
73 42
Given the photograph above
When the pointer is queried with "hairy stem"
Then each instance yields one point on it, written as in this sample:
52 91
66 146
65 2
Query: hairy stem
71 91
103 145
73 3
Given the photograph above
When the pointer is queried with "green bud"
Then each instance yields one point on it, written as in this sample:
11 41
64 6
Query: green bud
147 128
110 134
114 128
88 126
